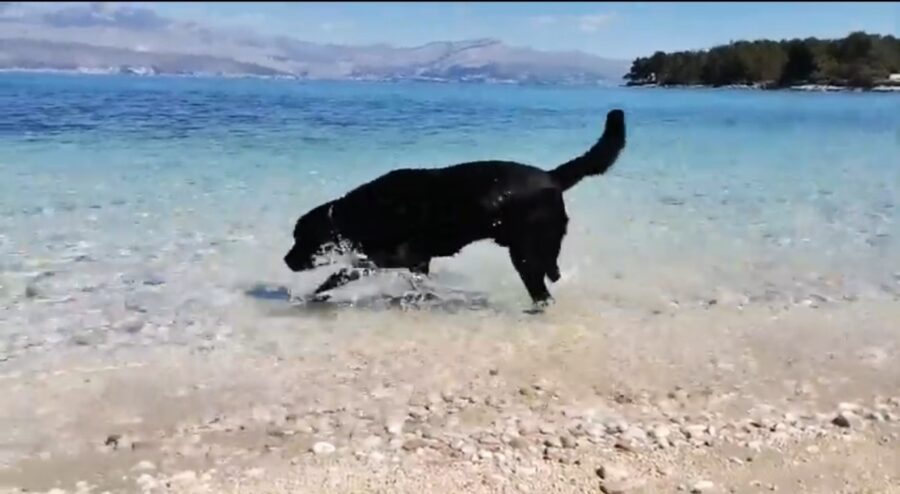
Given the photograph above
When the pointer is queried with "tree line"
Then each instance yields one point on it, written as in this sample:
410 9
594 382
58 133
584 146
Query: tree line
857 60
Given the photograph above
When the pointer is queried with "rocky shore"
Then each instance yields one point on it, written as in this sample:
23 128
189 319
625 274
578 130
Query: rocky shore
717 401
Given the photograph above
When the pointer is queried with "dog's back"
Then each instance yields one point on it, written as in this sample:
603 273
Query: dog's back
441 210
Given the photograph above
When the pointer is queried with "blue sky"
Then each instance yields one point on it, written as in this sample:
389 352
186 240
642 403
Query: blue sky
619 30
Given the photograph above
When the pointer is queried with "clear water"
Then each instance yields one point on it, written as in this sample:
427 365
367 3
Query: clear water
147 211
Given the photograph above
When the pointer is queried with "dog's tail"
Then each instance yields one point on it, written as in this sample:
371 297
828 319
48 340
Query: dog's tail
599 158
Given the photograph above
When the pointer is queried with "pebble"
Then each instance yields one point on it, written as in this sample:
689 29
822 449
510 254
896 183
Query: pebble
323 448
694 431
626 445
489 441
261 414
612 472
113 440
616 426
185 477
144 465
372 442
875 416
844 419
702 486
661 435
279 433
468 450
394 427
616 487
634 434
527 428
147 482
414 444
553 442
510 432
254 473
596 432
568 442
518 443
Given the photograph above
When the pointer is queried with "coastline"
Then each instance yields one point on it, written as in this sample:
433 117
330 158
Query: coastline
822 88
819 88
301 79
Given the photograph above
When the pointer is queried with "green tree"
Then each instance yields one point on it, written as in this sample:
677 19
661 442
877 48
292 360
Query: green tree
800 65
859 59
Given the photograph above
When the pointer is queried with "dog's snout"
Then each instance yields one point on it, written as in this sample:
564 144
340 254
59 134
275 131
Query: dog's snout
289 260
297 261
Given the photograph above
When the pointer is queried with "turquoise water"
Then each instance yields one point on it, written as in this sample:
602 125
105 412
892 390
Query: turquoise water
142 210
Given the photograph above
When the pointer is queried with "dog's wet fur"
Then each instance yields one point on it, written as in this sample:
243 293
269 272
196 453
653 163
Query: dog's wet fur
407 217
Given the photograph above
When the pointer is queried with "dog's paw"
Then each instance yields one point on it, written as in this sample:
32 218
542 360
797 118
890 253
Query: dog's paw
539 307
553 275
318 298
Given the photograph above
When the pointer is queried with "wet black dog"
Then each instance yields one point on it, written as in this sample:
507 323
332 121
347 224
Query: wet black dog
406 217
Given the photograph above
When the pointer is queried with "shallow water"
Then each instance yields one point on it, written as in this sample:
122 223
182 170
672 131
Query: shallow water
150 211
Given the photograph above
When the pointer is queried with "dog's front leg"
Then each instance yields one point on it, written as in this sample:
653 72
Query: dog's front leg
361 267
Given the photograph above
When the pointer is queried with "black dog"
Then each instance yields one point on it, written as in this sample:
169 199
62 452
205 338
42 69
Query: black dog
406 217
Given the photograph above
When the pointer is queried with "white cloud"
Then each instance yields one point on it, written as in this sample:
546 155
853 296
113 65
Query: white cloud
332 26
593 22
544 20
588 23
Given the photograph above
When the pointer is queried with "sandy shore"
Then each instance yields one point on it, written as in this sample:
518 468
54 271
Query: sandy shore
706 399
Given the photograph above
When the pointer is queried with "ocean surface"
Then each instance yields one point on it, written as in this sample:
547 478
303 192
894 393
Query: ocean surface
156 211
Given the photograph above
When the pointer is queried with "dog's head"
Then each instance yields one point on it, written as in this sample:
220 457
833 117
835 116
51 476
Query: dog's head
312 233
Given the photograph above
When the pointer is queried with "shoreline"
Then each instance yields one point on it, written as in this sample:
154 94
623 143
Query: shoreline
300 79
814 88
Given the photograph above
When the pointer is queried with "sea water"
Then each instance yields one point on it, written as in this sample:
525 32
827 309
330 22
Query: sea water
156 211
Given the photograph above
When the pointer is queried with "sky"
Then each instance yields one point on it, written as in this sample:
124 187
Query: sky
612 29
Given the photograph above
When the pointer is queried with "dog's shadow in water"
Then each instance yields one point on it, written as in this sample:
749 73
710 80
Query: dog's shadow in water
282 301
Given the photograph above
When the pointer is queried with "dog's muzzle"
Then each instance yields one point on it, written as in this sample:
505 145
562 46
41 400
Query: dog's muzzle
293 263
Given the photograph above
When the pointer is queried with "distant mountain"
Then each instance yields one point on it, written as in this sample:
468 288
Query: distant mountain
101 37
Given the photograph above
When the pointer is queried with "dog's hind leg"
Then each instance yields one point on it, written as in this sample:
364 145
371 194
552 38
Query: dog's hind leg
550 243
547 244
535 239
527 260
